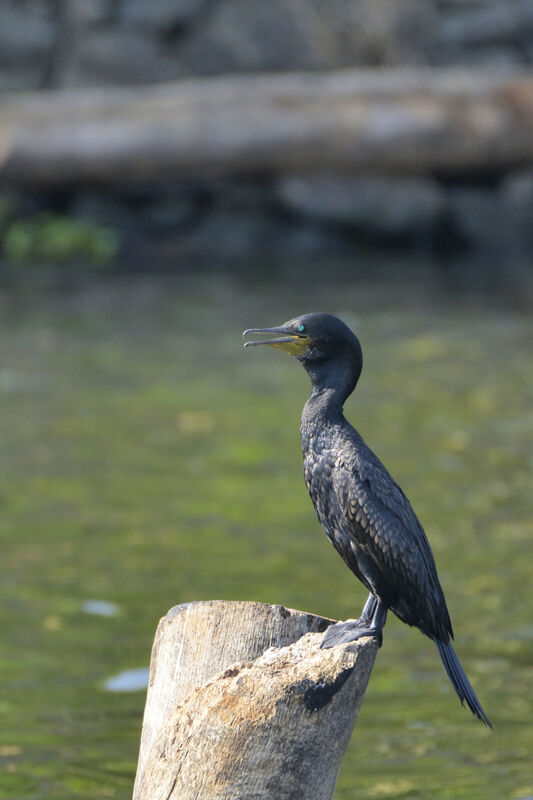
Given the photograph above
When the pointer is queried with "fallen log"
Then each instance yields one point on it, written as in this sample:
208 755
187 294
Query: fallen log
243 703
393 121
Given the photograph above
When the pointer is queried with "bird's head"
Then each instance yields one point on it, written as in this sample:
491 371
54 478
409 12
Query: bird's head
327 348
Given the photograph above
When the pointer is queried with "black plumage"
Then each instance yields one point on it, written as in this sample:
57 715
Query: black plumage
363 511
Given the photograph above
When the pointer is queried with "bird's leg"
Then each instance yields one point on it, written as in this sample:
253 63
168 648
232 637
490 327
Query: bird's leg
364 620
369 609
370 623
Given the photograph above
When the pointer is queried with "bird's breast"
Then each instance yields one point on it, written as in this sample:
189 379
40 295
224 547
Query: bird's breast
319 466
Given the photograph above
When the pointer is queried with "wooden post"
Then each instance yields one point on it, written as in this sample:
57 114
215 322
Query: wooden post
244 705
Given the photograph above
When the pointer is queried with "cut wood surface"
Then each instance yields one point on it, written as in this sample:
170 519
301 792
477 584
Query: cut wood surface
401 120
243 704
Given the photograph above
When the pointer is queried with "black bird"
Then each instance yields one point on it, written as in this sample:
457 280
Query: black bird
363 511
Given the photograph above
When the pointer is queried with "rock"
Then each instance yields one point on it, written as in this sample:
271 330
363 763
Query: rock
123 56
488 33
27 35
243 216
139 212
89 12
170 212
161 15
251 36
239 195
234 218
489 24
476 216
379 206
493 57
517 201
229 234
105 209
309 34
382 32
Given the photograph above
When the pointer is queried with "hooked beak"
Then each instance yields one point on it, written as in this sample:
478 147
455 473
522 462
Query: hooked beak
294 344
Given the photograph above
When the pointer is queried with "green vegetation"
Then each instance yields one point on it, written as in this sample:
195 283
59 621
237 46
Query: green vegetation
56 239
148 460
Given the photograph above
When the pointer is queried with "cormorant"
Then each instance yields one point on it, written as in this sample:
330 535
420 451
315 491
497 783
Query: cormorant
363 511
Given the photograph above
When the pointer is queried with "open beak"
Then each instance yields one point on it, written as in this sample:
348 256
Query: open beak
294 344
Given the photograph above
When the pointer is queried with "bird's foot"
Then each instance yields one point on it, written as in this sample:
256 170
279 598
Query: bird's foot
344 632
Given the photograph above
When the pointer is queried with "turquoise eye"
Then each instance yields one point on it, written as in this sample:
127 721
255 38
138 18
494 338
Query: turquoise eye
301 328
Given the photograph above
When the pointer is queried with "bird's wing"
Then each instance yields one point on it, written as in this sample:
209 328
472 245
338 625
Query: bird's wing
397 554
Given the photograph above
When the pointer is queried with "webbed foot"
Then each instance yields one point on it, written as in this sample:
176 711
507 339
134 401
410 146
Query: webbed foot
344 632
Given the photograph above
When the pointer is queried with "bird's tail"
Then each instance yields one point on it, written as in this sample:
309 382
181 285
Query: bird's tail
460 682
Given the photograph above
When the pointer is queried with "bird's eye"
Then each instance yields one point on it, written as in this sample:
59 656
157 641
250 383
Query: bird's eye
301 328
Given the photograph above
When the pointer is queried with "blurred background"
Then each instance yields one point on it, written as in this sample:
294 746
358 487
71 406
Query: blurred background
158 196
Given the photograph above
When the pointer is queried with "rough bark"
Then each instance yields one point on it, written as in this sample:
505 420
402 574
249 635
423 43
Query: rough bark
242 703
410 121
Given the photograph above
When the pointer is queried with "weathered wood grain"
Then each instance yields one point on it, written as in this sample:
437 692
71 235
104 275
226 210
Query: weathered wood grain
244 704
402 120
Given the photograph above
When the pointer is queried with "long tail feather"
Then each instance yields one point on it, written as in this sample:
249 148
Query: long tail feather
460 682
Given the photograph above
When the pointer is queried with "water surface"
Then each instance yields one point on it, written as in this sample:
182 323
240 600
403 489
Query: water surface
147 460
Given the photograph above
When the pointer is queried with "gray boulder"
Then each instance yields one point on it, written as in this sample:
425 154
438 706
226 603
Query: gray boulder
27 35
488 24
249 35
123 55
161 15
517 202
478 217
380 206
492 33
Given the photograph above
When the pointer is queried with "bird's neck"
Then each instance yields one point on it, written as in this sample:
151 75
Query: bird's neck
324 405
332 382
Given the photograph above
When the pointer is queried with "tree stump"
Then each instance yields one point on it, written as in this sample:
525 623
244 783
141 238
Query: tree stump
243 704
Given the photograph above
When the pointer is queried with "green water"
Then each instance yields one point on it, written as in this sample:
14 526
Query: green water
148 460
